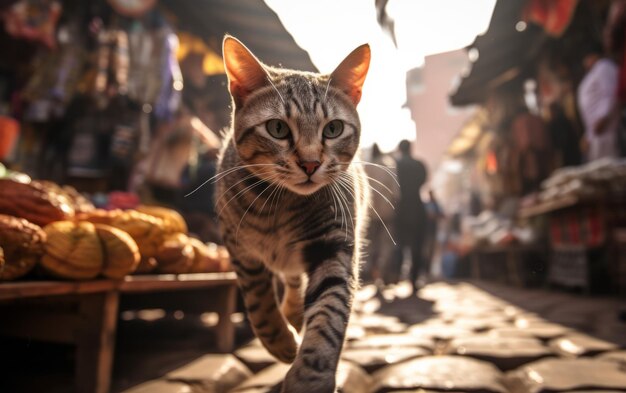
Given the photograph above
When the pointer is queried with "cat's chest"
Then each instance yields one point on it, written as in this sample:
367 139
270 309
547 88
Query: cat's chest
280 245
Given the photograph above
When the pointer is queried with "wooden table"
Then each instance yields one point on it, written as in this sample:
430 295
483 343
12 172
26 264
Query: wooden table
85 314
512 258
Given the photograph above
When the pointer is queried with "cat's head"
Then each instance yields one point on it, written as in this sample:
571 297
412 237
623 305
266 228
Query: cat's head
297 129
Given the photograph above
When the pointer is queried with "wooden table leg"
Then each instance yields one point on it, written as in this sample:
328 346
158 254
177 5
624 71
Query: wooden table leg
512 263
95 342
226 303
475 265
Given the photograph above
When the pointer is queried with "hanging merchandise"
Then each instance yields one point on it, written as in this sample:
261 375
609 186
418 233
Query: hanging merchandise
132 8
55 77
33 20
9 130
553 15
112 65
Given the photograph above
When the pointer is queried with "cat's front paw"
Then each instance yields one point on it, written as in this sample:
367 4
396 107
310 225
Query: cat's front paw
301 380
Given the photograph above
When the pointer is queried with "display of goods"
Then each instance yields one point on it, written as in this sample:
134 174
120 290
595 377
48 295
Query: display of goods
22 243
208 258
34 202
148 231
121 254
172 218
78 202
146 265
73 250
175 255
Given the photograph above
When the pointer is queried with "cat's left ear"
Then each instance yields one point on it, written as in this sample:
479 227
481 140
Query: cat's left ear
350 75
245 72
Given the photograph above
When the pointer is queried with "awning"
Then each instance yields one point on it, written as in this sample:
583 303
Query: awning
500 55
469 136
251 21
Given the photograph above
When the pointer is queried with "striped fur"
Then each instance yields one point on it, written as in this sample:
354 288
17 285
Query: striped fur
280 224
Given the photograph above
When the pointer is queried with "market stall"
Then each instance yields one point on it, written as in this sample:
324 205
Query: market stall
110 113
532 74
586 212
85 314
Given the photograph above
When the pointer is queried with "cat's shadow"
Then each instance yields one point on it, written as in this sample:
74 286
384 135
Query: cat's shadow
410 310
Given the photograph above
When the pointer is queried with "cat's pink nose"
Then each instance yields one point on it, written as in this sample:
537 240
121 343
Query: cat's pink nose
309 167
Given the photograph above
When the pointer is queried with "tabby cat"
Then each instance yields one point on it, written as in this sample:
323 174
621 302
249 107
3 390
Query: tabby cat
292 205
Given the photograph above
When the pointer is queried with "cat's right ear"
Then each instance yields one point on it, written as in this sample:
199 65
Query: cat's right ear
245 72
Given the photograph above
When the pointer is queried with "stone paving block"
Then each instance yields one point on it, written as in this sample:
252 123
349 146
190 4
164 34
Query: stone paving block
617 357
377 323
440 332
256 357
392 340
559 375
160 386
373 359
506 353
354 332
213 373
264 381
440 373
577 344
540 330
481 324
350 379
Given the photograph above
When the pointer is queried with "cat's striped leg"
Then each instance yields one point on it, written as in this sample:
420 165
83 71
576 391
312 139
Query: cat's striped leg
268 323
292 305
327 308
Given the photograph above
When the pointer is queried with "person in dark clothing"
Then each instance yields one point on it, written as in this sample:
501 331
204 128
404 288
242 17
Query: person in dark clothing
410 211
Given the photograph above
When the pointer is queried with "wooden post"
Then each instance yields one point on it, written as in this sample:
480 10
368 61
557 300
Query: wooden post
475 264
95 341
226 303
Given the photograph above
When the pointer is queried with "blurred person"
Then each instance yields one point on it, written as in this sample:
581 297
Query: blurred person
453 248
434 214
380 246
597 103
410 212
614 41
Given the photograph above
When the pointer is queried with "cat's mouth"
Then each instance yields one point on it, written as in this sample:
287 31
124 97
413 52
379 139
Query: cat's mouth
307 187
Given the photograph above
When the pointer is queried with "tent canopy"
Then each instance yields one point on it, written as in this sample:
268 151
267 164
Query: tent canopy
251 21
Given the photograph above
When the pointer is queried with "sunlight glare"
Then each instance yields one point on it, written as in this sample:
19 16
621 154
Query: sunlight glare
329 29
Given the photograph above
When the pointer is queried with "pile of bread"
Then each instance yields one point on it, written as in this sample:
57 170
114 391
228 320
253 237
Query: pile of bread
59 232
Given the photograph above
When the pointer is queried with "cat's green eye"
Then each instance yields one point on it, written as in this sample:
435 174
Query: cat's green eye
333 129
277 128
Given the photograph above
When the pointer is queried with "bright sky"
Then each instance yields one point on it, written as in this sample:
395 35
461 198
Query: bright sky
330 29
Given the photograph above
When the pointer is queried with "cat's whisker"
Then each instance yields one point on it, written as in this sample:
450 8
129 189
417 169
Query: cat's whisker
274 191
249 206
273 195
250 187
348 175
219 176
342 181
277 92
327 86
334 202
378 182
343 213
233 186
250 176
388 170
340 186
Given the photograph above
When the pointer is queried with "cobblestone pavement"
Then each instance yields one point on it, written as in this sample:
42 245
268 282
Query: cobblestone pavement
462 337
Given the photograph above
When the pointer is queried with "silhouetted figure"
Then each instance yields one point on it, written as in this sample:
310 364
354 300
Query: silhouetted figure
410 211
598 105
380 246
434 214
